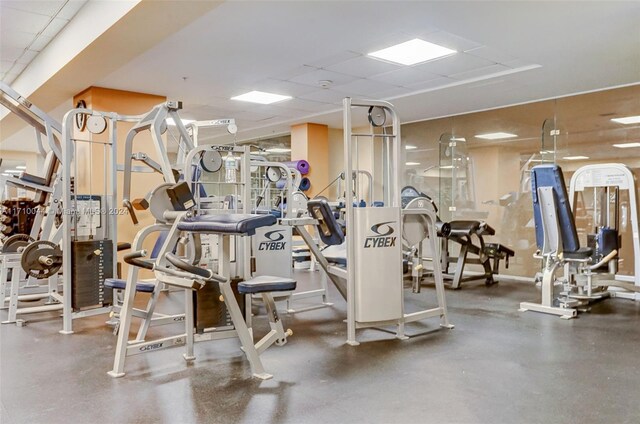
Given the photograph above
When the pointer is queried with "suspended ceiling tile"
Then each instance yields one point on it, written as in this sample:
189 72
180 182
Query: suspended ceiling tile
326 96
55 27
286 88
40 43
45 8
10 54
451 41
454 64
491 54
27 57
313 78
15 39
71 8
305 105
433 83
327 61
404 77
5 65
294 72
492 69
363 67
364 87
17 20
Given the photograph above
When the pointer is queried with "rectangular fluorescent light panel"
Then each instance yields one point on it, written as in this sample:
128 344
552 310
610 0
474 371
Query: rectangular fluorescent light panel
496 136
13 171
171 122
628 120
412 163
261 97
278 150
626 145
458 139
575 157
409 147
412 52
21 167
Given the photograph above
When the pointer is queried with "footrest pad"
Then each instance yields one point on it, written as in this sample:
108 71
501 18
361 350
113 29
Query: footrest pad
495 249
118 284
265 284
227 224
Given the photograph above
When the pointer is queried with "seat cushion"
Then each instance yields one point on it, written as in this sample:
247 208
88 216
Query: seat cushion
464 228
226 224
336 254
33 179
265 284
581 253
118 284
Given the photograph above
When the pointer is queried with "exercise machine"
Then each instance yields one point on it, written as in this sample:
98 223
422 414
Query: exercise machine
374 294
612 190
219 225
584 280
470 237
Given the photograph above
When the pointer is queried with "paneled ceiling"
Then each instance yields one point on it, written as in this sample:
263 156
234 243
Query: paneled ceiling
27 27
508 53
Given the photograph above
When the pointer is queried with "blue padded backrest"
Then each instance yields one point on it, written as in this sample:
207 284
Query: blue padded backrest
329 229
551 176
162 237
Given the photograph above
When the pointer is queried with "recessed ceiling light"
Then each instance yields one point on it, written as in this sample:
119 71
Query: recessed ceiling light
21 167
575 157
447 167
628 120
171 122
626 145
412 163
409 147
496 136
458 139
13 171
412 52
278 150
261 97
4 174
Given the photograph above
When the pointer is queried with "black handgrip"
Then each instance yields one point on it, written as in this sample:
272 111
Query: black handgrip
132 259
205 273
123 246
443 228
127 204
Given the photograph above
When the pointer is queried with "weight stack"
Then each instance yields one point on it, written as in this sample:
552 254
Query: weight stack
88 272
211 312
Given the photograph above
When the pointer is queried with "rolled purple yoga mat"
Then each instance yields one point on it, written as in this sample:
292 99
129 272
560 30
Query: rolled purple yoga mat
301 165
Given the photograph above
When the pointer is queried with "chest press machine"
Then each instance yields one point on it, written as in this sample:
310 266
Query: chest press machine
177 211
583 281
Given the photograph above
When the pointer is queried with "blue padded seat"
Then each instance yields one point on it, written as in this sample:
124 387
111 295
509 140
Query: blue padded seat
336 254
118 284
227 224
265 284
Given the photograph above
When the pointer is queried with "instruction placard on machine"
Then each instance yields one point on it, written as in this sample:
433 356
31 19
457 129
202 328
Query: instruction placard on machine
89 214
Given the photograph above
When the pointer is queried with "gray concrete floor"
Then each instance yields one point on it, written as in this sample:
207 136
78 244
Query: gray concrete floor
496 366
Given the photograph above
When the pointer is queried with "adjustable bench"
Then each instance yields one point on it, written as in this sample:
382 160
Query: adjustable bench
463 232
173 270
